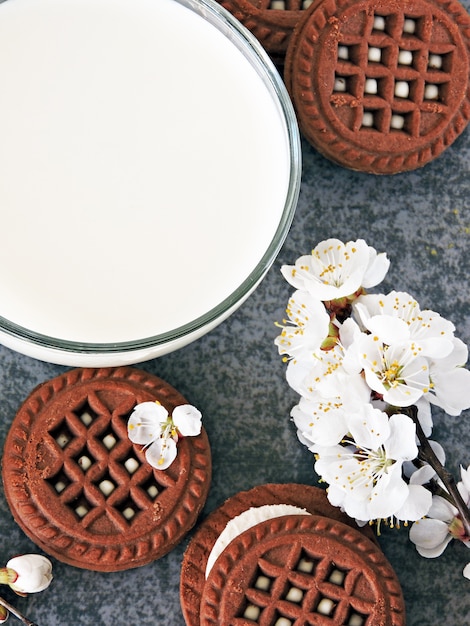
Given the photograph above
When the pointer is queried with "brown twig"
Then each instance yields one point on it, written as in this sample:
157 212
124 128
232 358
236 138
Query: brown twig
428 455
16 613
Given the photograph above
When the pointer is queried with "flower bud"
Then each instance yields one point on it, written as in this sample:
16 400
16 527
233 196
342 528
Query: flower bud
34 573
3 614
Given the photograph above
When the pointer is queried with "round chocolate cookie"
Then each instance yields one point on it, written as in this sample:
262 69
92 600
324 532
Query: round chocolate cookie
193 571
381 87
302 570
81 490
271 21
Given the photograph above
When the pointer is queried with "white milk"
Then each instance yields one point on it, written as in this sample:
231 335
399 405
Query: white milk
144 167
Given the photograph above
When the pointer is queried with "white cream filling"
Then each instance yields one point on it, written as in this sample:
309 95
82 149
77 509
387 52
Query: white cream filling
246 520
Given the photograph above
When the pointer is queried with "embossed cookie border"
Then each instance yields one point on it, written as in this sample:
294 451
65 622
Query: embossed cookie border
300 78
272 27
42 529
192 579
319 530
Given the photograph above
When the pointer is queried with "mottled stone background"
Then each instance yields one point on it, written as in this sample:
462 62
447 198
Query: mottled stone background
236 378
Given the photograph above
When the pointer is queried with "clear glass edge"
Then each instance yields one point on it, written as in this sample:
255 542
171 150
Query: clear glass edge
252 49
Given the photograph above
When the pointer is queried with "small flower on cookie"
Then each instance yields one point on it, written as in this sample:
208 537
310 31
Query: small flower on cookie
151 426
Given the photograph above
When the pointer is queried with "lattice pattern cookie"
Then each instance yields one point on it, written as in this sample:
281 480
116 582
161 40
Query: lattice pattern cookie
271 21
81 490
260 582
381 87
302 570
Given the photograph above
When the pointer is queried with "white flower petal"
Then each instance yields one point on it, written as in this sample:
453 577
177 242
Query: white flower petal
435 347
425 415
438 451
297 373
374 382
389 329
422 475
465 475
307 327
335 496
187 420
370 427
376 270
416 505
145 423
431 537
292 274
442 510
349 330
466 571
321 421
451 390
161 453
388 495
457 358
402 441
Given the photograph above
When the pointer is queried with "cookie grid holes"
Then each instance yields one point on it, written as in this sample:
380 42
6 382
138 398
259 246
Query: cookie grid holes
109 439
101 473
152 488
81 506
131 463
288 594
84 460
128 509
285 5
395 71
106 485
62 434
59 482
86 415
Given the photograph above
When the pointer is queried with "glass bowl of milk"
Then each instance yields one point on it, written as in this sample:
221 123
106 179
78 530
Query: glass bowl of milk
149 172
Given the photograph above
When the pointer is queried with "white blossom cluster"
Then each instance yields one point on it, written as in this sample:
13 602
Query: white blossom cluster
358 362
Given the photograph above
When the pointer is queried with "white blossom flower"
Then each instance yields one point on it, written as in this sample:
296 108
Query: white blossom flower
365 476
397 317
33 573
432 534
337 270
320 416
450 388
324 370
398 372
320 421
150 425
306 329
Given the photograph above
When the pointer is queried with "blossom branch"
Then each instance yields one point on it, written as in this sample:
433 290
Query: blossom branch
428 455
16 613
360 384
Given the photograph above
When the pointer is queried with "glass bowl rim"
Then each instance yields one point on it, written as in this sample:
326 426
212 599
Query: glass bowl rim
243 39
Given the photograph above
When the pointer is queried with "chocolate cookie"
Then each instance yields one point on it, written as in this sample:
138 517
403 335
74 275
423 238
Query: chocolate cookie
271 21
81 490
302 569
193 571
381 87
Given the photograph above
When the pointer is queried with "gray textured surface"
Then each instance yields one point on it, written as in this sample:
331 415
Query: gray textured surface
236 378
234 375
